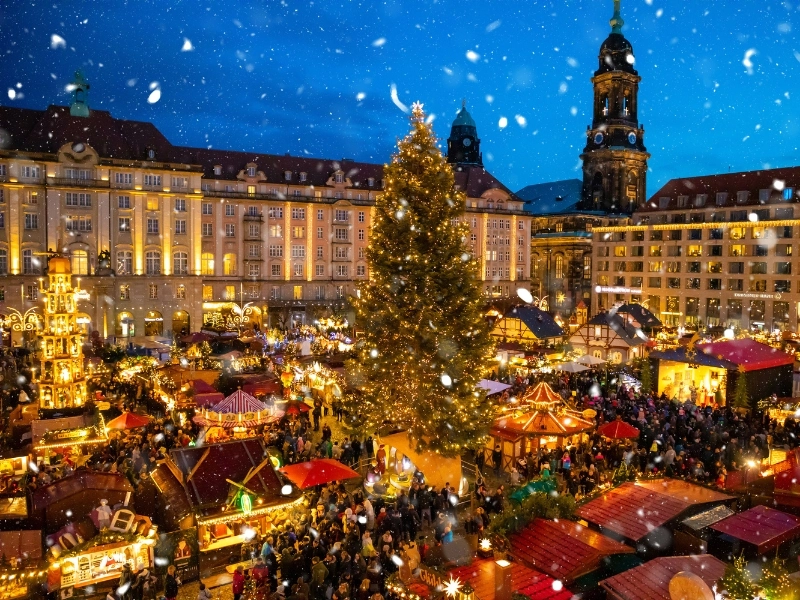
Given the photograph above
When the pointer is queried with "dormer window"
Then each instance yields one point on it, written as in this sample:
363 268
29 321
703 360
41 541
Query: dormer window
151 154
287 175
303 176
742 197
371 182
251 171
217 169
339 178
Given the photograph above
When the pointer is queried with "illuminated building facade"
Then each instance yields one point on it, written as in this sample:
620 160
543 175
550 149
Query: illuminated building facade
717 250
167 237
63 382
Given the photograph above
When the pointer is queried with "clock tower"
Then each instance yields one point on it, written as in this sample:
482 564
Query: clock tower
615 158
463 145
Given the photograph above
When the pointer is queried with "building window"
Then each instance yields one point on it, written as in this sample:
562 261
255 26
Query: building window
362 217
124 202
230 210
230 230
208 292
297 292
339 178
275 270
275 212
342 216
152 226
253 270
31 293
3 262
207 263
30 172
320 252
275 231
339 292
342 252
229 293
125 292
180 205
254 251
180 292
207 229
124 262
298 232
153 291
31 221
320 233
208 208
298 251
153 180
341 234
341 270
180 227
27 262
229 264
123 178
79 223
298 270
153 262
299 213
275 293
361 270
559 267
276 251
180 263
320 270
251 171
361 235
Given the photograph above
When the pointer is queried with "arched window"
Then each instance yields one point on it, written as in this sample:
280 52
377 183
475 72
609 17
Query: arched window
207 263
180 263
153 262
124 262
559 267
79 262
229 264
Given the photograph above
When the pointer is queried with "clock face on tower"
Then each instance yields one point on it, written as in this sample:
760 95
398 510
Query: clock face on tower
631 138
598 138
467 142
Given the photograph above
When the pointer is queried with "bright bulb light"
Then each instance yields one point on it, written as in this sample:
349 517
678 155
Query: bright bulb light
286 490
525 295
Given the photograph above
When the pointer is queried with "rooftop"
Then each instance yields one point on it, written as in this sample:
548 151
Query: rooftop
764 527
481 576
650 581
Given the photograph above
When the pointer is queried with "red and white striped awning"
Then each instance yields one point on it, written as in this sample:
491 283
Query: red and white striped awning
240 402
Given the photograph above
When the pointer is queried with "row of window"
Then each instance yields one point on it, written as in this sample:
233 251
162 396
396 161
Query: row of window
695 283
721 198
674 235
738 268
696 250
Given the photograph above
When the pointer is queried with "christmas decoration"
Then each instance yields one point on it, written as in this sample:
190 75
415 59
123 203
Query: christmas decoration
740 397
63 382
736 581
775 583
426 343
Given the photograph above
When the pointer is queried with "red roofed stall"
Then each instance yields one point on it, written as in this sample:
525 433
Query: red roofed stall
787 480
762 527
480 575
633 511
650 581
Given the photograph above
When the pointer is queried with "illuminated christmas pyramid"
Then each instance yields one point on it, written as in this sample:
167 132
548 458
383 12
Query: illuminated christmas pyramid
63 382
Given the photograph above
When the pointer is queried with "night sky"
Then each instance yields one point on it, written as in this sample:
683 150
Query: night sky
719 85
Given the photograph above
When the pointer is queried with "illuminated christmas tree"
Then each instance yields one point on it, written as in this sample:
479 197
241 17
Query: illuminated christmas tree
426 342
62 383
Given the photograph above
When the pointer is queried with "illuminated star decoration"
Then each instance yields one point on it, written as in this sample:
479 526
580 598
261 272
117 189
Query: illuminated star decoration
451 587
416 107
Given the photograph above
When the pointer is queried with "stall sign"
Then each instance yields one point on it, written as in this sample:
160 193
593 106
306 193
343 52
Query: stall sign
71 433
104 563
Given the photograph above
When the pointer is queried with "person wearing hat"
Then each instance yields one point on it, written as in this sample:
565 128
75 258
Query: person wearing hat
104 514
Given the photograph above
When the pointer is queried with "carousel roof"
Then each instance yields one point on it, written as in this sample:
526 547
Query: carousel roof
240 402
541 412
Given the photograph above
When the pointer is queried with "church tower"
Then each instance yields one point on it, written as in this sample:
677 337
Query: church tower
80 96
615 158
463 145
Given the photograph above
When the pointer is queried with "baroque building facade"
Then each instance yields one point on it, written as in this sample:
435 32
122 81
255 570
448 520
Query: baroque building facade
708 251
166 238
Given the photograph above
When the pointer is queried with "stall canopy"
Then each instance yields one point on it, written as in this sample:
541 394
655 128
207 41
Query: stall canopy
480 575
541 412
618 430
563 549
650 581
527 323
437 469
633 510
571 367
764 527
747 354
128 420
240 409
317 472
492 387
638 315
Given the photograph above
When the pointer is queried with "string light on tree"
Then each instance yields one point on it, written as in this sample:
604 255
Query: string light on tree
426 342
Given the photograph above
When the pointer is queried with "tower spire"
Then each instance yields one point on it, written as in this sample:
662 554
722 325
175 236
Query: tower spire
616 20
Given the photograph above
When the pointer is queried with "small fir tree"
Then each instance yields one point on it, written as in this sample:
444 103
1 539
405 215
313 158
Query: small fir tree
646 377
775 583
740 396
426 342
736 581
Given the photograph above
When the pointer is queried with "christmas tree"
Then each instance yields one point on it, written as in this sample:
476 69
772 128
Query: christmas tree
736 581
740 397
775 583
426 343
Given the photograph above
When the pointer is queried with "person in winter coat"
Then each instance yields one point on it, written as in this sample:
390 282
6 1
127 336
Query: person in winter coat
238 583
171 584
204 593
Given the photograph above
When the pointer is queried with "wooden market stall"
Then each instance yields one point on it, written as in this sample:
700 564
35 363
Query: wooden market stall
651 581
237 415
754 532
541 419
527 324
232 495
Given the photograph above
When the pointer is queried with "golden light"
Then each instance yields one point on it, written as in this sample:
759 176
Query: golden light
486 544
451 587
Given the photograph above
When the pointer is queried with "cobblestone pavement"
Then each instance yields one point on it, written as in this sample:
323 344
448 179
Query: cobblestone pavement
189 592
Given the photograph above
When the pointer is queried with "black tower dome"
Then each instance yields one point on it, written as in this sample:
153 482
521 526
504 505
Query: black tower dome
463 145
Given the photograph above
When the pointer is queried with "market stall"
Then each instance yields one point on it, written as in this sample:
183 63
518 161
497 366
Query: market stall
540 419
755 532
73 444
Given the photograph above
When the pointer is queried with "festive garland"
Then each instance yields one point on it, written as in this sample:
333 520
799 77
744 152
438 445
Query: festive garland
101 539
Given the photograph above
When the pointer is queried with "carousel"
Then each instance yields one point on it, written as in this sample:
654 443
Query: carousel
235 417
540 419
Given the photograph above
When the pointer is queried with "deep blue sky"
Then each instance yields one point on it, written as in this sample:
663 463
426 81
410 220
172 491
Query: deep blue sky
277 76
